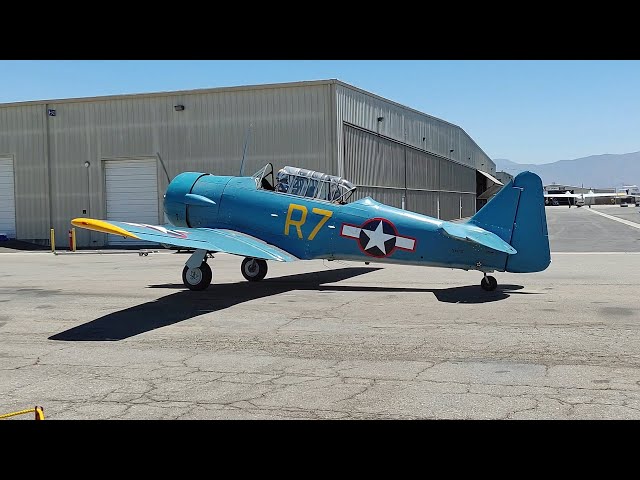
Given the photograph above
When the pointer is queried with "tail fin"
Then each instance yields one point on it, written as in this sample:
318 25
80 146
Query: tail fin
516 214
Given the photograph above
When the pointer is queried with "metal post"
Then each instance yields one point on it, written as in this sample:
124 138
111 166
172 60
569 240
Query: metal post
48 161
460 206
404 196
52 237
88 211
73 237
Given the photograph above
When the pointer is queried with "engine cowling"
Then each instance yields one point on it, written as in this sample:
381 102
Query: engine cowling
192 199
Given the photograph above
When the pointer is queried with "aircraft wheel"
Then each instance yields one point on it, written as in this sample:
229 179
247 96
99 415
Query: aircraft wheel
489 283
254 269
197 278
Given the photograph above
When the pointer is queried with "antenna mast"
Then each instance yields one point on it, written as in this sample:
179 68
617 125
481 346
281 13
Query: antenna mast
246 141
163 167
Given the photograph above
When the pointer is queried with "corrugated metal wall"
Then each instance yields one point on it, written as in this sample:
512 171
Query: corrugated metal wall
291 124
299 124
372 161
382 168
422 131
23 137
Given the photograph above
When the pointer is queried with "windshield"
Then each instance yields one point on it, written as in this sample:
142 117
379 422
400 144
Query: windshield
264 177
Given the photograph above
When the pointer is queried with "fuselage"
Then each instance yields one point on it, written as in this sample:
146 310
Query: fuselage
363 230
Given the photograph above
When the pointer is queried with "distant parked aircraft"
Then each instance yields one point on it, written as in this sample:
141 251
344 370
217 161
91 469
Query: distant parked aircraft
580 198
629 195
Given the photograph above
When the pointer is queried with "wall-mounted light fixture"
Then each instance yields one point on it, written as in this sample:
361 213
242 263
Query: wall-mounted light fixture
87 164
451 151
380 119
178 108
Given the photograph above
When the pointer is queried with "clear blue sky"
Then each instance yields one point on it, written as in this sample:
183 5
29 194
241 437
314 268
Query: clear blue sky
527 111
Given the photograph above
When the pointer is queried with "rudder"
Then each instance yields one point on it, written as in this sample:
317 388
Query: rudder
516 214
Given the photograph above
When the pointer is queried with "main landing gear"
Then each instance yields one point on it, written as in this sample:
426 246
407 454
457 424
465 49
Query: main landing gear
196 274
254 269
197 278
488 283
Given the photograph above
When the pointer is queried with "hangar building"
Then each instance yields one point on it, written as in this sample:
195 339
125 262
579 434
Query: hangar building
112 157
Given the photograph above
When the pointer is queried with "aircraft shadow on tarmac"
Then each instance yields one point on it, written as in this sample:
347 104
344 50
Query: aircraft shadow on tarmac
186 304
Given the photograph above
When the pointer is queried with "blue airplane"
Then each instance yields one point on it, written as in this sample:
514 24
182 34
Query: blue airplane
305 215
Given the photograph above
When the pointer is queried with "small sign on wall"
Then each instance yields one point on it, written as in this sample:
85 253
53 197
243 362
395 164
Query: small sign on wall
51 112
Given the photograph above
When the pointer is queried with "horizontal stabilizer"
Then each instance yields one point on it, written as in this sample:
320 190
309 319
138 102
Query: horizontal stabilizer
471 233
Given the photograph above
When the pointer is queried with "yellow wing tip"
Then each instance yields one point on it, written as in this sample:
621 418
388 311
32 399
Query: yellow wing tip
102 226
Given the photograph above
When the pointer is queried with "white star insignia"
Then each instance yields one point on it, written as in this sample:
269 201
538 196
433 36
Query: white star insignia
377 238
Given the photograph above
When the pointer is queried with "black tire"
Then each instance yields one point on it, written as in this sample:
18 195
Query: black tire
254 269
489 283
198 278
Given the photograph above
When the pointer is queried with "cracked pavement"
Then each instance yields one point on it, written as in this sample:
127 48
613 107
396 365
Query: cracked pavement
117 336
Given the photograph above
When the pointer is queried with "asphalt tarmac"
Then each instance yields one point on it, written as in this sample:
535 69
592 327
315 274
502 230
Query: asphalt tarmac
115 335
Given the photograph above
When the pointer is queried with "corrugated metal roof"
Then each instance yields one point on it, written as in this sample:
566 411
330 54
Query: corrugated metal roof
304 83
177 92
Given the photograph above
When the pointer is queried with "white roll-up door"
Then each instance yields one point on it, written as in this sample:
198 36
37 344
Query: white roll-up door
7 199
132 194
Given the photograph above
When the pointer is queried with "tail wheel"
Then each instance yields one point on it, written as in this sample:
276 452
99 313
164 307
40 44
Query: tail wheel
254 269
197 278
489 283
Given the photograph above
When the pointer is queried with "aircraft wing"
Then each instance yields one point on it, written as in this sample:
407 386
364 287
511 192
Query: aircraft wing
604 195
477 235
585 195
211 239
565 195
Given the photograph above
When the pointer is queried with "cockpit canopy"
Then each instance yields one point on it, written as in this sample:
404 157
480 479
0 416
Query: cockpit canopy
305 183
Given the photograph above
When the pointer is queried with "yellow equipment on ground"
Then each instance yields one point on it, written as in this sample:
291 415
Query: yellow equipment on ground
39 412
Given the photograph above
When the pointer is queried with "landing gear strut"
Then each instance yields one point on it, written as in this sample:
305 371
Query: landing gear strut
488 283
196 274
254 269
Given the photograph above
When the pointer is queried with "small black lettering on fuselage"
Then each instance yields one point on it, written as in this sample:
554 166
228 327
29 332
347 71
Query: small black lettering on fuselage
457 250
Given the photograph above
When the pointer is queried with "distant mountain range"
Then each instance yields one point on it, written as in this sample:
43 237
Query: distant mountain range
596 171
